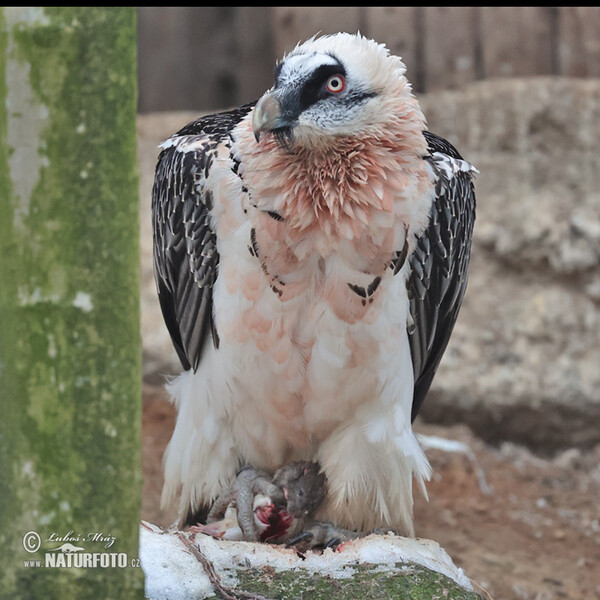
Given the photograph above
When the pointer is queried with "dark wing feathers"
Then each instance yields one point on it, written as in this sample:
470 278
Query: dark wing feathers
185 244
439 264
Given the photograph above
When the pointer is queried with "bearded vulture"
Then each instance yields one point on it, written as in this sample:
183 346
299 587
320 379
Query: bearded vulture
311 253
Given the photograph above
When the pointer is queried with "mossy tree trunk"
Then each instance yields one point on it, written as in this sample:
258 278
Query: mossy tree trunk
69 299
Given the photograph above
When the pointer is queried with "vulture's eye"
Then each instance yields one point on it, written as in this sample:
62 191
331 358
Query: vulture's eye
336 84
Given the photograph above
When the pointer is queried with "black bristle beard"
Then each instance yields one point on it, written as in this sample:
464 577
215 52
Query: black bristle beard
284 136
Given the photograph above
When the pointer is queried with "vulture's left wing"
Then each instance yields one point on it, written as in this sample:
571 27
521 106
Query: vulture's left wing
439 264
185 243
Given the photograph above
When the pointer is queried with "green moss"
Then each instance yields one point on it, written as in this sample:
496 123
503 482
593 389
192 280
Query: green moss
407 582
70 357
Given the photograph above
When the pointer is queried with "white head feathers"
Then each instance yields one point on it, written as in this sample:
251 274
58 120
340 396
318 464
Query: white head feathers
367 59
372 94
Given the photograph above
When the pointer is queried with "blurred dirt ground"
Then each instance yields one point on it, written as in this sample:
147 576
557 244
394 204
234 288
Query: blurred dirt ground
535 537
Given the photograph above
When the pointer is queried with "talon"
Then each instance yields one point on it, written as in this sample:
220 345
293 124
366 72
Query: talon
305 536
333 543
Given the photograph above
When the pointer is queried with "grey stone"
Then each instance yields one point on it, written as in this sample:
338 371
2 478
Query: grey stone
524 360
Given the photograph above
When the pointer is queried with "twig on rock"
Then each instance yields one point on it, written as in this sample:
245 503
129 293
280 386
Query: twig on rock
209 569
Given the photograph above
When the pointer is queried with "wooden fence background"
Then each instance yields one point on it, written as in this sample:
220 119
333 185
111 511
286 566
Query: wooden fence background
208 58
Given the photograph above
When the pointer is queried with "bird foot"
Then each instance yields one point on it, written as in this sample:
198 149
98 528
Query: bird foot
256 499
322 535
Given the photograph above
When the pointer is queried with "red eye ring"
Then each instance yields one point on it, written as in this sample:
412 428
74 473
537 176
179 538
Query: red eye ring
336 84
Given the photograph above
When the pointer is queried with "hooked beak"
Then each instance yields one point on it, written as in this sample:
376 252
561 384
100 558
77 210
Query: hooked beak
268 115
